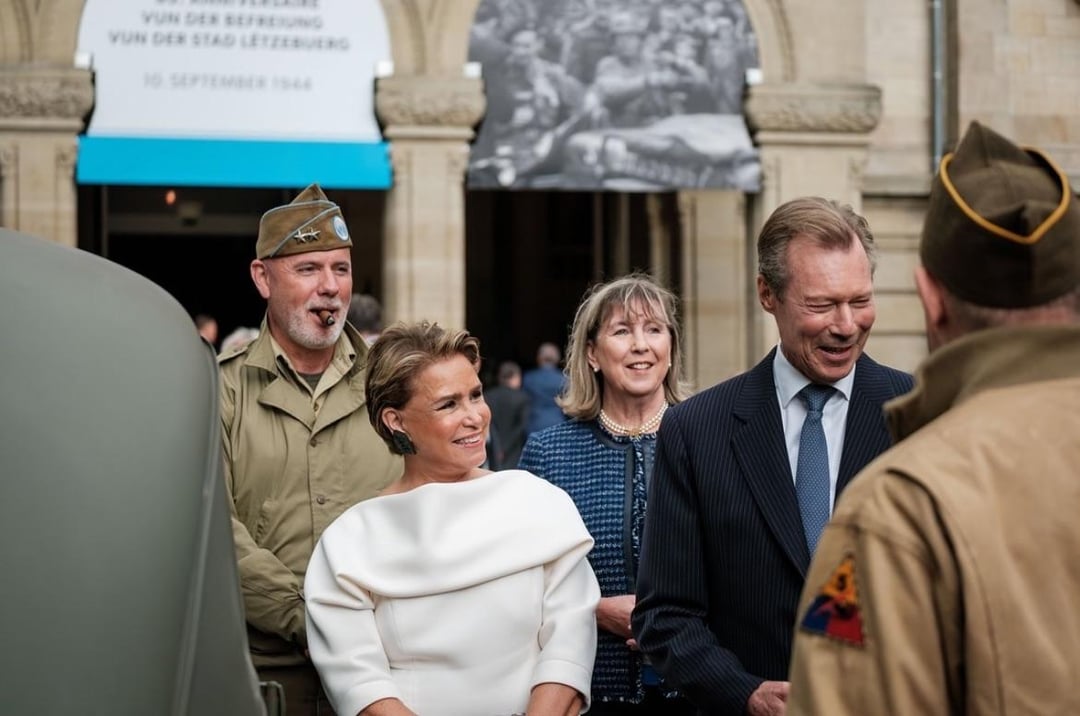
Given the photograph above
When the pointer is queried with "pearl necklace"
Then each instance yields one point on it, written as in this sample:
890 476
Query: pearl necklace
649 426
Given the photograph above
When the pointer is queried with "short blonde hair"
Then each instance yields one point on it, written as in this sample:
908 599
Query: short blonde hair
584 393
400 354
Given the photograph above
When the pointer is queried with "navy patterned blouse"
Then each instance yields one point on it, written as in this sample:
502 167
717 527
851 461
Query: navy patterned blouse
607 477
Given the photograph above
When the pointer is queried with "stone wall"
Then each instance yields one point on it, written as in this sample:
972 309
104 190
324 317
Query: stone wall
43 100
844 109
1019 71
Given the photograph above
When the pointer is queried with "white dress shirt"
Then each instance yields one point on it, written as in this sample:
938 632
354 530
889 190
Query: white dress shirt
789 382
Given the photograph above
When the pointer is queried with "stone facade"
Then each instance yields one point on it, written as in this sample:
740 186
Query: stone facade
845 108
43 100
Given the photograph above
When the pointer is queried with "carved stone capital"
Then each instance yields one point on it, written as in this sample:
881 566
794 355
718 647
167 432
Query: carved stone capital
56 93
458 161
66 155
852 108
429 101
9 156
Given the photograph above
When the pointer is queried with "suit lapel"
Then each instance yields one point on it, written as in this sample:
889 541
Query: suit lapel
866 435
758 444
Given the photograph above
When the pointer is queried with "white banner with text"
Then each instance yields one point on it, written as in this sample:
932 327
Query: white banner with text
262 72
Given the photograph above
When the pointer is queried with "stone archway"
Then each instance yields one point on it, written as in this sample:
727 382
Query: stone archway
429 108
775 49
811 117
41 31
43 100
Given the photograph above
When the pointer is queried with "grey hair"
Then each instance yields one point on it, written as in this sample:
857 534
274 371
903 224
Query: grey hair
826 221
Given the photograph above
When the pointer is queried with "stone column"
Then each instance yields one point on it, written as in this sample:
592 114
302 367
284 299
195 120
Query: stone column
428 121
714 284
813 140
41 114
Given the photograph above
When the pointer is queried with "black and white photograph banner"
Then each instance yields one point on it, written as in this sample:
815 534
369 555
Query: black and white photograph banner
620 95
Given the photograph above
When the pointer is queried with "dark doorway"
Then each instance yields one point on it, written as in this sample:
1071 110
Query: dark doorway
531 255
206 274
198 243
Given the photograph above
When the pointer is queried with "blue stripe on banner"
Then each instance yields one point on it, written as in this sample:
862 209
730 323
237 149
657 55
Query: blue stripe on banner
153 161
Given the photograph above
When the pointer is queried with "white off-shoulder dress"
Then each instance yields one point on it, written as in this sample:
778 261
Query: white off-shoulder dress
456 598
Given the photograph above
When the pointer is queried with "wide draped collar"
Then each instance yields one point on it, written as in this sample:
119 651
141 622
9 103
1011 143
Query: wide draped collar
442 537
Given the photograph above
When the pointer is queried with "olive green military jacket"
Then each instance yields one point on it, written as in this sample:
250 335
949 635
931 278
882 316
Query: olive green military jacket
948 581
293 463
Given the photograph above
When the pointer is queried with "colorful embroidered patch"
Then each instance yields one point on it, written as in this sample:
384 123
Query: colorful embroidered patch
835 610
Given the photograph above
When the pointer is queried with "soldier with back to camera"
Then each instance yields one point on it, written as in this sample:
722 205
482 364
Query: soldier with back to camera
947 581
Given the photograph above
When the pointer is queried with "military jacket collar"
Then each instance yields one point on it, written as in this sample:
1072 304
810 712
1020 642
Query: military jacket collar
350 352
980 361
350 358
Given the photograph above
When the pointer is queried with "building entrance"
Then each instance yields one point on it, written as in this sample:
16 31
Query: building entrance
530 256
197 243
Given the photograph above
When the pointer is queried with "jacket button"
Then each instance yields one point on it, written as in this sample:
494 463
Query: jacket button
313 442
321 499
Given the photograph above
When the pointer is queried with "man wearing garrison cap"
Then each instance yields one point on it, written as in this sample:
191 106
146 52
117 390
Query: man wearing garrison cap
298 447
948 581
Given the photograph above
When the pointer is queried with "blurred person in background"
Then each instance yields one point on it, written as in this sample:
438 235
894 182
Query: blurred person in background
543 384
207 327
623 365
238 338
297 445
458 591
365 315
509 416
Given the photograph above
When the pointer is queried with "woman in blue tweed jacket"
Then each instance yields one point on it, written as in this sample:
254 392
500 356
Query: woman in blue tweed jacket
623 368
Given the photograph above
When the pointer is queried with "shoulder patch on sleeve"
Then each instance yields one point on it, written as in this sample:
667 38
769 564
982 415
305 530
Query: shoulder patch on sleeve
835 610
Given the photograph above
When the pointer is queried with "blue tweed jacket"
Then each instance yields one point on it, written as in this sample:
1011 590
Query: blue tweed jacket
607 478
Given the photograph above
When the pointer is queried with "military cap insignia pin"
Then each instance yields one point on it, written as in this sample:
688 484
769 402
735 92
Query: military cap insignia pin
835 610
304 237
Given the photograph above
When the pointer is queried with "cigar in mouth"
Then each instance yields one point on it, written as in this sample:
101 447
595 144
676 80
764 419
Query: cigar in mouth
327 317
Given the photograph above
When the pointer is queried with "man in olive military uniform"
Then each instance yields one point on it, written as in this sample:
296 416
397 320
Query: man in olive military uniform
299 449
947 581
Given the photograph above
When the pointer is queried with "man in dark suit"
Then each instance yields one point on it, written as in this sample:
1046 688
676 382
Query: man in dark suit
509 415
734 509
543 384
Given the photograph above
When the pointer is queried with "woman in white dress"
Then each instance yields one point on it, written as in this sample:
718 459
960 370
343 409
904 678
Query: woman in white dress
457 591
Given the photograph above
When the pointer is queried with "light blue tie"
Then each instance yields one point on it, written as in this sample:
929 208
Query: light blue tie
812 471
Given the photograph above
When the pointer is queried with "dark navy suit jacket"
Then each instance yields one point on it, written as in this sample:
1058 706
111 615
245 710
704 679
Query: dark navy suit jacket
509 421
724 557
543 385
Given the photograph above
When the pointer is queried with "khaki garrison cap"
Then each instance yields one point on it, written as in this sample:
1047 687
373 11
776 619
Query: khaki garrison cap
310 222
1003 225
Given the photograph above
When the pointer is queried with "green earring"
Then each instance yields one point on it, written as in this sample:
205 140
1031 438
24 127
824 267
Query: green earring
403 443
